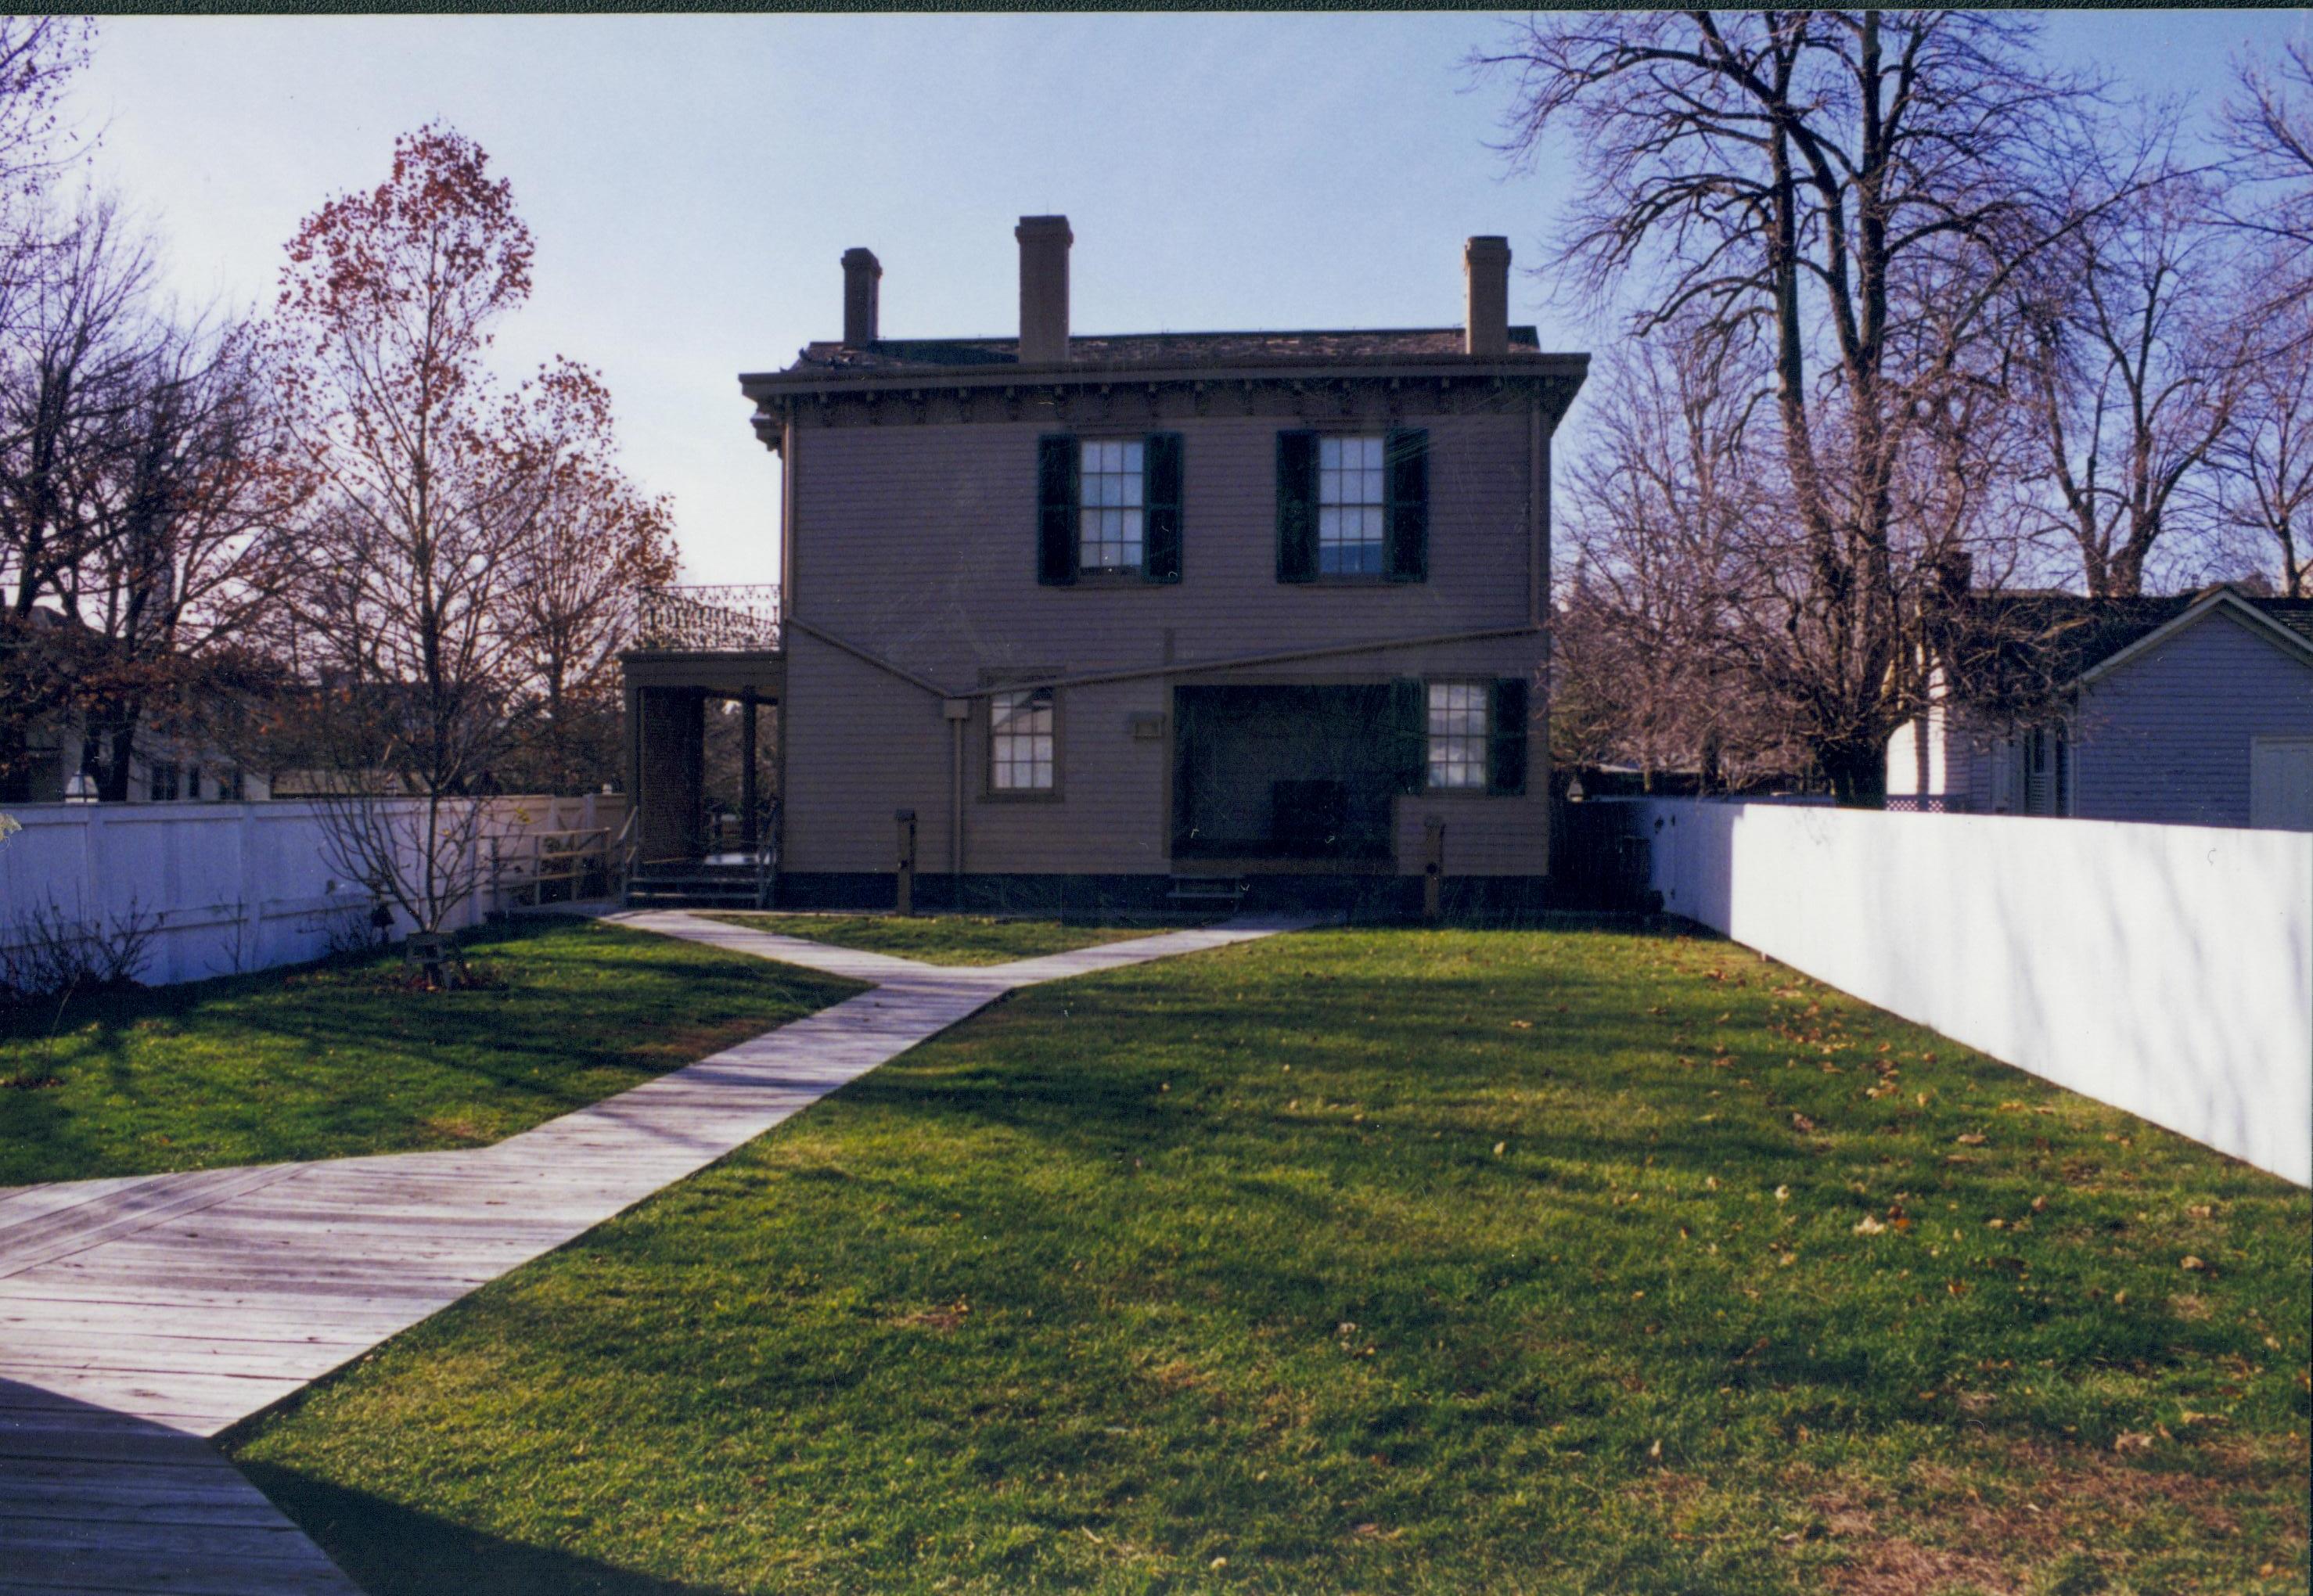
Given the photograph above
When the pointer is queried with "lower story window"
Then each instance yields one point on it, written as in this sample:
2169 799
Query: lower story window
1458 734
1020 741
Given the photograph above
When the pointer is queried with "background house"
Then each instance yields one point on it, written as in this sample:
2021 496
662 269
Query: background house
2196 709
1106 620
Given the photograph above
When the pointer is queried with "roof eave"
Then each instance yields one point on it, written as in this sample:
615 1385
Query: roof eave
1073 372
2222 598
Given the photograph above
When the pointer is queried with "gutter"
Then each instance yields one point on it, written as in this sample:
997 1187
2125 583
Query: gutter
998 376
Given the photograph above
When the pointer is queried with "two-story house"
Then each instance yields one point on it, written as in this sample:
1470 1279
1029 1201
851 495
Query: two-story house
1101 621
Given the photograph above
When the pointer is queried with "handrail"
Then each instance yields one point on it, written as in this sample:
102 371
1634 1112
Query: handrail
630 844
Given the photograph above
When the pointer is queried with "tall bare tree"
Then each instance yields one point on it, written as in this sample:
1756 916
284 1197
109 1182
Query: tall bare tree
74 342
2268 128
1663 522
2262 463
420 505
1854 193
193 549
594 540
2133 361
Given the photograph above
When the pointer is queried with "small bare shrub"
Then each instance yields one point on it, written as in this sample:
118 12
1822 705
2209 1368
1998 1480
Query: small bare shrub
46 953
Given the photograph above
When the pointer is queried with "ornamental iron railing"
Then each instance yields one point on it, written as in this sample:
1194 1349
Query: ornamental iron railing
709 619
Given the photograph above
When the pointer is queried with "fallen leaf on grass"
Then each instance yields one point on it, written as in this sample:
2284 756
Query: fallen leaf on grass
1801 1122
1868 1226
1970 1139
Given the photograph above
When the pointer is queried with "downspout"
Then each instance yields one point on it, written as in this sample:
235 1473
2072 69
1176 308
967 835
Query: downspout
1536 491
955 804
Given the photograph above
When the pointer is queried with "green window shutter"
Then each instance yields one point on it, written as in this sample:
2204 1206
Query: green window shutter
1160 495
1406 520
1297 506
1506 747
1409 724
1056 509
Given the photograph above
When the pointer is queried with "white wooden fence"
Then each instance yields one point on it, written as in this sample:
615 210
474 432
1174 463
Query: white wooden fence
232 887
2164 969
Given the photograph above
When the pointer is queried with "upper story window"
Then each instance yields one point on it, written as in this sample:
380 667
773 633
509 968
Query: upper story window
167 781
1112 489
1108 508
1020 741
1350 506
1353 505
1458 734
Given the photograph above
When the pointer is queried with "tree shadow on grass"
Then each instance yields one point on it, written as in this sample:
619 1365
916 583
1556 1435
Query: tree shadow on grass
390 1549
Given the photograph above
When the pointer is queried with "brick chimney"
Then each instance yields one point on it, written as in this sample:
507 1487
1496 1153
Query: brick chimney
1044 243
861 274
1486 281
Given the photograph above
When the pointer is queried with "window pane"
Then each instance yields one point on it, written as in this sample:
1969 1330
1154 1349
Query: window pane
1110 529
1457 733
1020 741
1349 506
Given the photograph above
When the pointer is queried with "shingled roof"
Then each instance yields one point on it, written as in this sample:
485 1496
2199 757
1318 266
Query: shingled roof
1159 350
2013 643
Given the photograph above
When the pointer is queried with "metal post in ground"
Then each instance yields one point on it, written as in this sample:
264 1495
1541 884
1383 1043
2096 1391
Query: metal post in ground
1433 871
907 869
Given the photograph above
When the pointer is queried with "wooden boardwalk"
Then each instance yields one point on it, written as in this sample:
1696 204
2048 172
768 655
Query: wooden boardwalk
140 1316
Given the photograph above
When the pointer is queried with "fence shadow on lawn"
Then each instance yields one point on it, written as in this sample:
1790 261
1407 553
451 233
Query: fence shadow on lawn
391 1550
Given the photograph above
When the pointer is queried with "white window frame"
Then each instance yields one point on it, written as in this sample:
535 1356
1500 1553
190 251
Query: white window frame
1023 742
1458 726
1352 504
1111 507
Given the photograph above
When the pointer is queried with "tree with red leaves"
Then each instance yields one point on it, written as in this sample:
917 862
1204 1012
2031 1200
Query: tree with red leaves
442 502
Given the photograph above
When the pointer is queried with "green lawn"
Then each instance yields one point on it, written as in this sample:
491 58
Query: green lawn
942 939
1355 1260
320 1061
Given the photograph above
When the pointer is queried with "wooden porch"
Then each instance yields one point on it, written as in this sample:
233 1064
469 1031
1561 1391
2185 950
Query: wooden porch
689 840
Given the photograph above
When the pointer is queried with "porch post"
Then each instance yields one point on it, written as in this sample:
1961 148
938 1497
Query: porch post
747 771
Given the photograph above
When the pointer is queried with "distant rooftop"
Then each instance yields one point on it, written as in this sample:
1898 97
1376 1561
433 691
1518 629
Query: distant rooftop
2071 634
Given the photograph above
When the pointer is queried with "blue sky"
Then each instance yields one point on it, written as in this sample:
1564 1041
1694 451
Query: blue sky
693 180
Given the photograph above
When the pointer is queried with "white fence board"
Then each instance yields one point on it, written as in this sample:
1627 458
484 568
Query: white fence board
2164 969
230 887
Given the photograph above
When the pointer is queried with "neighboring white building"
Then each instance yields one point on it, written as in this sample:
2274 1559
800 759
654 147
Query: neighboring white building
163 769
2196 710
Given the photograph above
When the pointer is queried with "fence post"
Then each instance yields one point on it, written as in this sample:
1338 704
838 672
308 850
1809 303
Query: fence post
252 889
89 910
